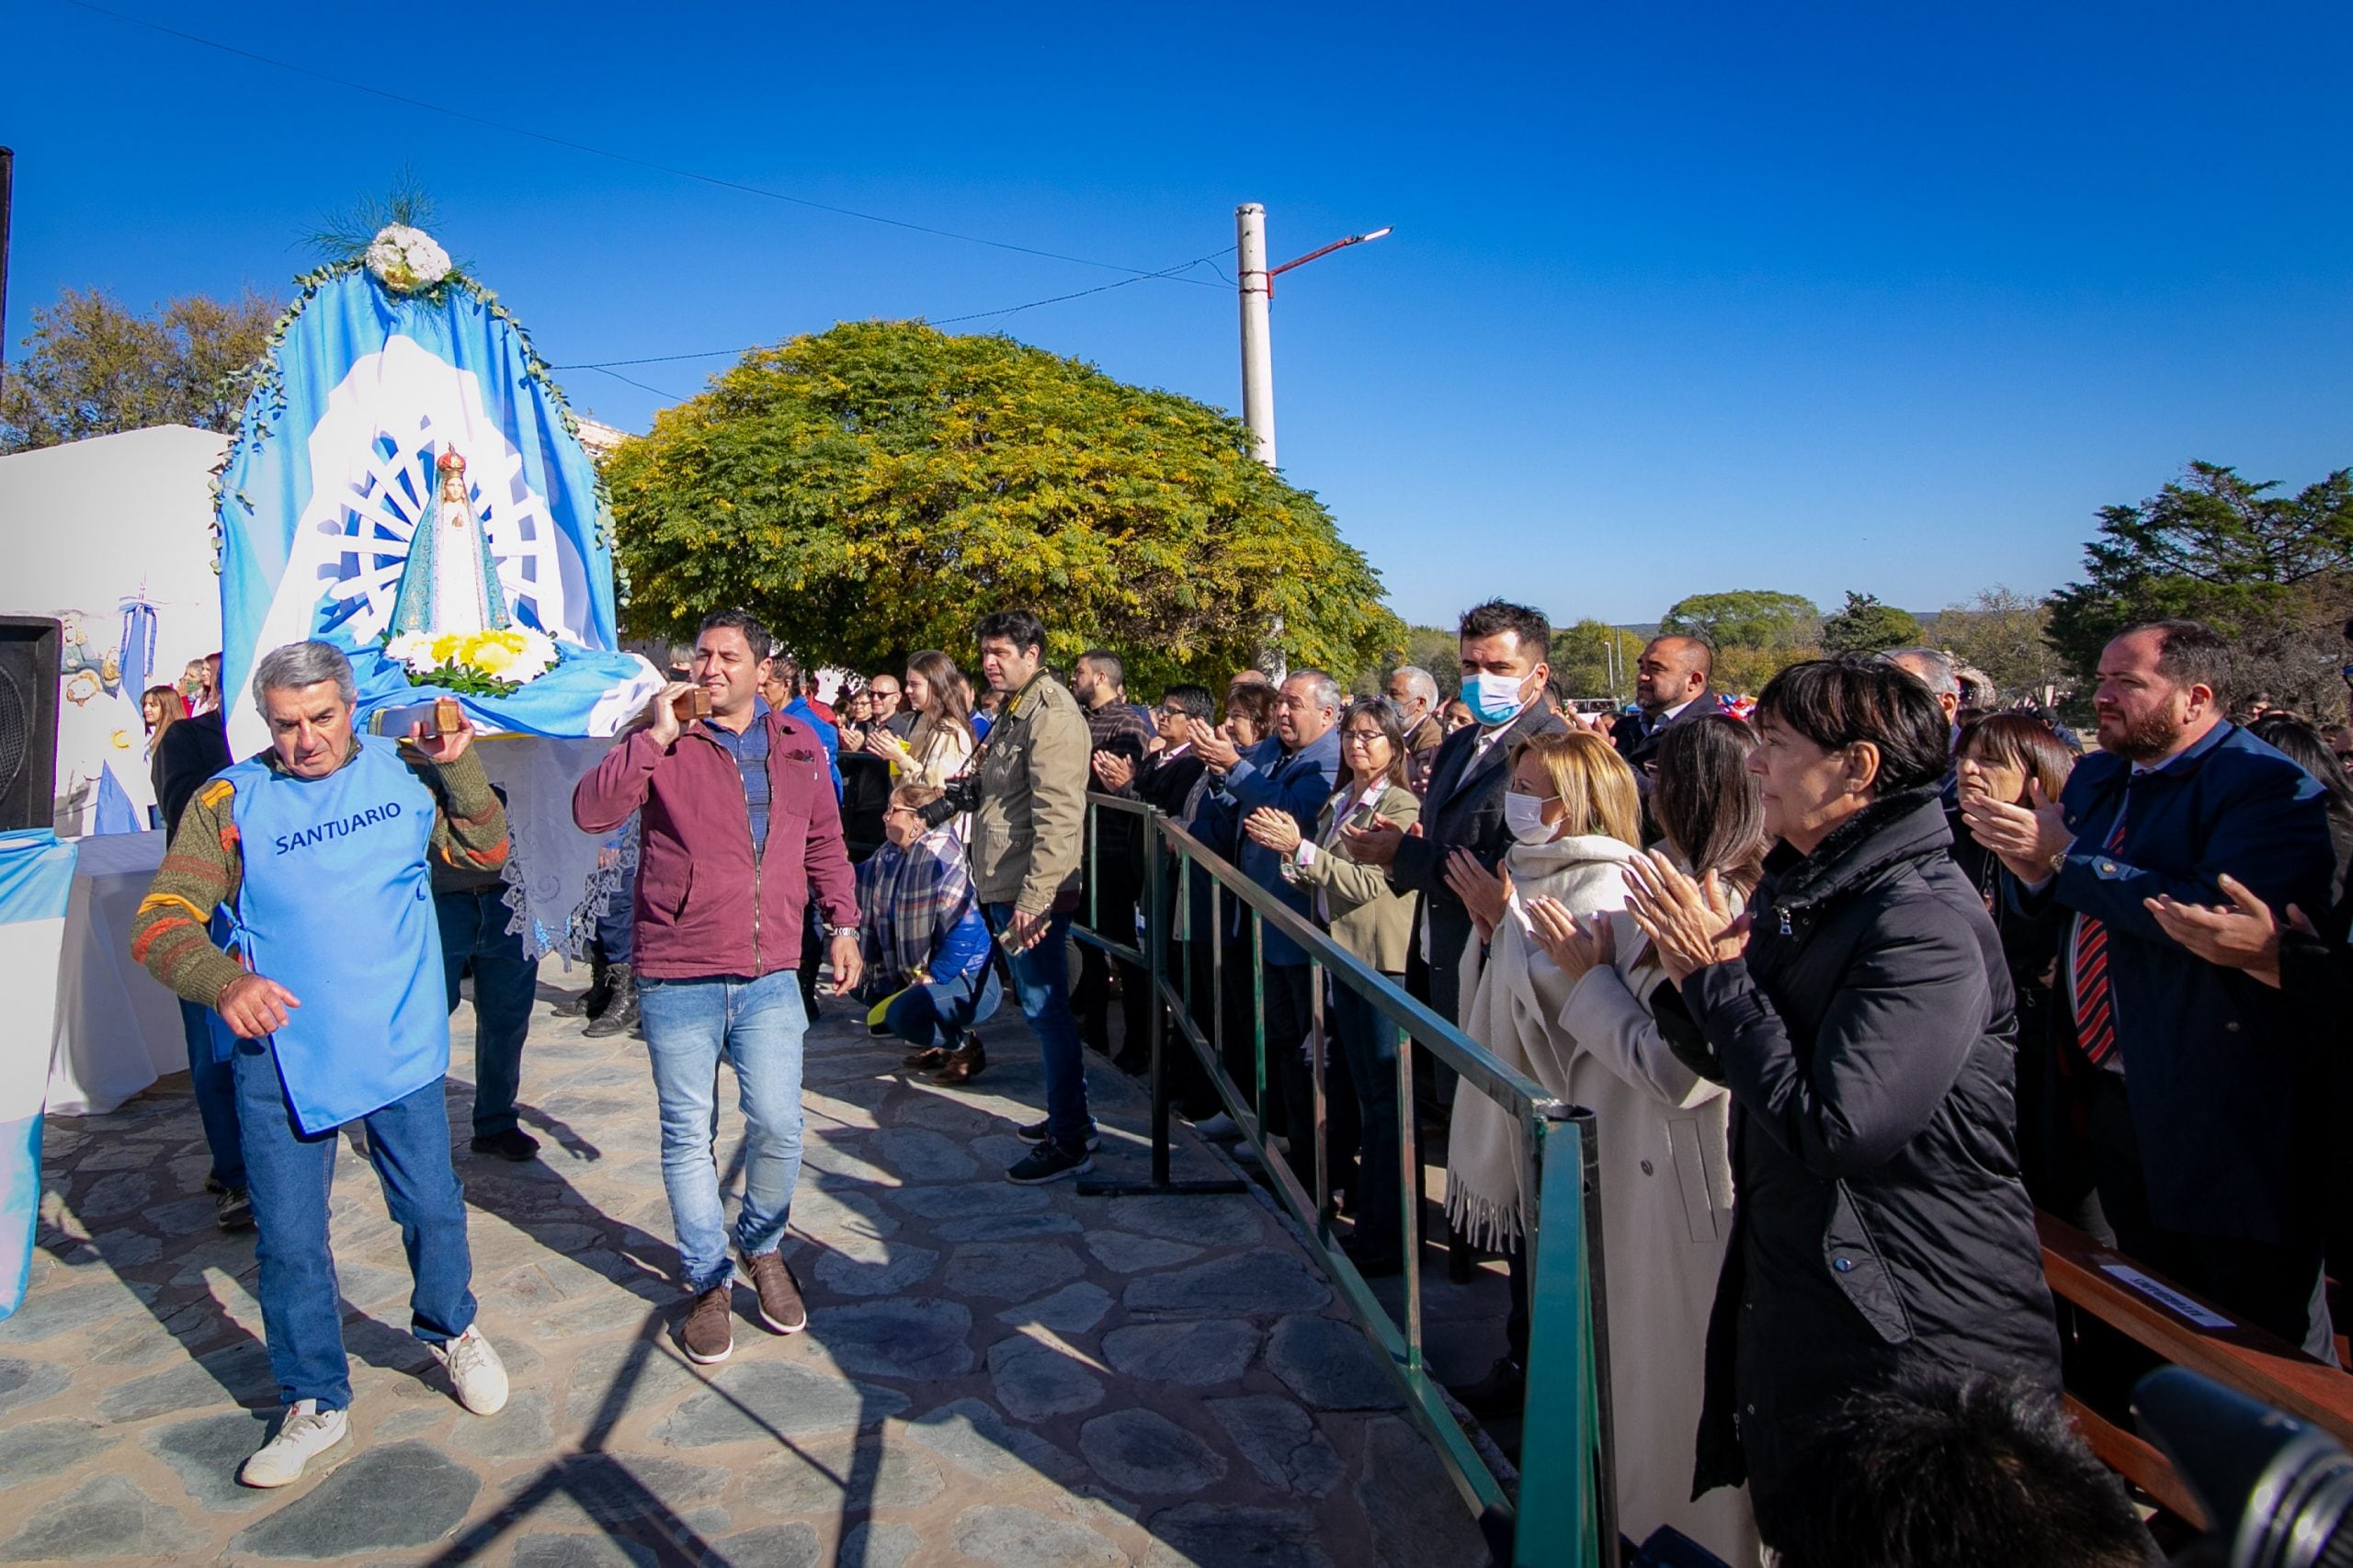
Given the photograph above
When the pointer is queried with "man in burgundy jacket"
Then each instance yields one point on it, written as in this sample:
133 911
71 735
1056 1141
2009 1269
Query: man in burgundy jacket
739 827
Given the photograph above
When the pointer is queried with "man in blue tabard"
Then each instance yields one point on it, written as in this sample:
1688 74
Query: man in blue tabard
296 902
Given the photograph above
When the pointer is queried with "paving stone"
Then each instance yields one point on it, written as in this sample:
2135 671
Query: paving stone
236 1376
127 1155
416 1421
28 1382
34 1449
402 1495
820 1109
1123 1253
900 1339
1398 1485
610 1312
989 1199
546 1550
127 1249
365 1285
899 1268
106 1517
206 1452
772 1546
1199 1354
1203 1219
1023 1538
1035 1380
523 1427
918 1153
941 1114
769 1400
1331 1365
1008 1227
1281 1443
1231 1287
977 1439
871 1545
844 1160
654 1374
47 1313
1010 1271
1143 1450
115 1195
827 1213
185 1218
1074 1309
601 1490
1218 1535
835 1478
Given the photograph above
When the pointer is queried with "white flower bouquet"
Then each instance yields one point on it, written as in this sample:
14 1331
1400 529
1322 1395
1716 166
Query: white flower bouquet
483 664
407 260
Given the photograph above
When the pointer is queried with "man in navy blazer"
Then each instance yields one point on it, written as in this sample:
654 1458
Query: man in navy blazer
1291 771
2203 1159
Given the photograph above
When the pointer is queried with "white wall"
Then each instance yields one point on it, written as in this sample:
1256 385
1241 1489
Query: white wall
85 525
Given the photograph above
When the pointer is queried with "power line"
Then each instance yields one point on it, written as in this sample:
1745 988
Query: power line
1136 274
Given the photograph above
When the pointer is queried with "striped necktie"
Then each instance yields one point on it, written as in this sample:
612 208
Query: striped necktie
2095 1013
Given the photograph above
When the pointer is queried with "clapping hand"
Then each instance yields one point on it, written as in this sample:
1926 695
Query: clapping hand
1576 947
1115 771
1376 845
2241 937
1691 925
1486 894
1216 750
2028 839
1278 831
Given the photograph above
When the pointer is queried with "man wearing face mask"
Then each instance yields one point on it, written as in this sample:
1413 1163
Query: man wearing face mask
1412 692
1504 652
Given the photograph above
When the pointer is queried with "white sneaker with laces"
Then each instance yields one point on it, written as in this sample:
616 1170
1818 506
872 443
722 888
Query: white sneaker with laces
306 1432
476 1371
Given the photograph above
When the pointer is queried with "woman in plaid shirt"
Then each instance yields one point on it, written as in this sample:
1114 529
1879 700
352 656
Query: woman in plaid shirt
927 946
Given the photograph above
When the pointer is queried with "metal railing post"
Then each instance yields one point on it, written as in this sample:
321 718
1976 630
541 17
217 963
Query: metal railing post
1155 938
1574 1502
1409 1202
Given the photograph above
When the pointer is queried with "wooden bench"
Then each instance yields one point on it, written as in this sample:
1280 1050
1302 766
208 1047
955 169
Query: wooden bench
2187 1332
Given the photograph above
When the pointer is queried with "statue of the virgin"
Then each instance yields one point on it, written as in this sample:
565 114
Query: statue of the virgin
451 581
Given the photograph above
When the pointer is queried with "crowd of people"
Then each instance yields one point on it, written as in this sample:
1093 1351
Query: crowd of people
1853 982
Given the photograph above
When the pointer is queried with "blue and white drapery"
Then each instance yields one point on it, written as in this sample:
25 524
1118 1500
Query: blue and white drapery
333 472
138 655
36 877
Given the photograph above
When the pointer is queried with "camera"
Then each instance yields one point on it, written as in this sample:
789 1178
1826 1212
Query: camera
960 794
2279 1490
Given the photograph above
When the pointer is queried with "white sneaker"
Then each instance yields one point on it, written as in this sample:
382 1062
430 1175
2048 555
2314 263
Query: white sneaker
306 1432
1218 1127
476 1371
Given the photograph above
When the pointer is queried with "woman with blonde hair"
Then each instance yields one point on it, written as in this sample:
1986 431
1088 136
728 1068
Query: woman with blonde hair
941 743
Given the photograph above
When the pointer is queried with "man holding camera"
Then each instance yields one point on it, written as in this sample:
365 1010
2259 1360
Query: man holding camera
1027 791
738 825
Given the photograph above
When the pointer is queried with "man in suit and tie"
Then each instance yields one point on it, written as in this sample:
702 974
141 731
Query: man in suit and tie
1670 686
1505 649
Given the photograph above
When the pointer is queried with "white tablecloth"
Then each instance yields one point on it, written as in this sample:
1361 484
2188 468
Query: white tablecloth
117 1028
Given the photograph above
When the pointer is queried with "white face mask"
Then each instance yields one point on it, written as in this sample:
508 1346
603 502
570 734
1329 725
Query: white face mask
1523 814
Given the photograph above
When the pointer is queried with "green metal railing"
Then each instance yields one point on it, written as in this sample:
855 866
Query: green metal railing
1564 1510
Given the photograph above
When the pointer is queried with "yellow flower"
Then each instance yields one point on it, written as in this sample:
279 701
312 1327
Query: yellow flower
446 647
490 653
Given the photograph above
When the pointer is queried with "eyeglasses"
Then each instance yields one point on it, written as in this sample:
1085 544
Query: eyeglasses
1362 738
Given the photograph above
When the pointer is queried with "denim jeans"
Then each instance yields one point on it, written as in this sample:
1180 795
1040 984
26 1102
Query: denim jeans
214 1083
617 927
756 1024
937 1015
473 930
1041 985
291 1176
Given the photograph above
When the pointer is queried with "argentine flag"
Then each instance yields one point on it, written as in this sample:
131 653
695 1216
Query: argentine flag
36 875
332 473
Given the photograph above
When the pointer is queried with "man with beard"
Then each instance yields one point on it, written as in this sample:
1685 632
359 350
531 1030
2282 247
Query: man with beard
2203 1132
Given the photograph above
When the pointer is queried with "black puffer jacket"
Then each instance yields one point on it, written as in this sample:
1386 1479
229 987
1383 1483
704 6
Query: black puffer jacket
1880 1221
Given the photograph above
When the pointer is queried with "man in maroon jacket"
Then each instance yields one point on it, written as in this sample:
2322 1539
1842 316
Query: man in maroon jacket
738 825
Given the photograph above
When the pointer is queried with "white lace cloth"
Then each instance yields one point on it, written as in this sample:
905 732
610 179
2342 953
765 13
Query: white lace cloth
551 870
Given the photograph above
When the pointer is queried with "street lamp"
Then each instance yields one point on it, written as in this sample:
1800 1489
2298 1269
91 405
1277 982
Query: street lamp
1257 281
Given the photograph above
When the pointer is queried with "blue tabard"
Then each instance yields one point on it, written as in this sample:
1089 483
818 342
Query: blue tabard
336 906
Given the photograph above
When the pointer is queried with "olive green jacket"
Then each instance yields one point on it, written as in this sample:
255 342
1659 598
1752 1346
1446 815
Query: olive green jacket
1029 829
1369 918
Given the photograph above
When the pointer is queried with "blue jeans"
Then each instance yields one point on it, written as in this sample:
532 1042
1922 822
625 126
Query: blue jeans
473 930
617 927
291 1176
938 1013
756 1024
214 1082
1041 985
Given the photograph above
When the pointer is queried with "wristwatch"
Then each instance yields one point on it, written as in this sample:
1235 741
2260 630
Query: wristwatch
833 931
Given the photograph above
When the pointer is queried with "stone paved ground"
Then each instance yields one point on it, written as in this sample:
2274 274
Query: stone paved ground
993 1374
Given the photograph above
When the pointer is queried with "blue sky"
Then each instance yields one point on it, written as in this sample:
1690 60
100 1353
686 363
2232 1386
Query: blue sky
1681 298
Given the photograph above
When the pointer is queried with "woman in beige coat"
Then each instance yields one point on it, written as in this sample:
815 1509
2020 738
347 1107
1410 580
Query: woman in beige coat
1579 1021
1374 923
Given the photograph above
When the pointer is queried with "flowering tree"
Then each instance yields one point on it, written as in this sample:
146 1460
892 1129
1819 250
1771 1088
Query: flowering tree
873 490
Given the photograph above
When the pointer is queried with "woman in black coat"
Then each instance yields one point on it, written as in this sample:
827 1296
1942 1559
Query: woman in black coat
1862 1015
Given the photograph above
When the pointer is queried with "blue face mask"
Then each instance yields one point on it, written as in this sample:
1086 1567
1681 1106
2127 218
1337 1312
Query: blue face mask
1492 699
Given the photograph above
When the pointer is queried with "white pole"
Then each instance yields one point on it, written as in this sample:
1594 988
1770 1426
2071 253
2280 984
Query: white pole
1257 349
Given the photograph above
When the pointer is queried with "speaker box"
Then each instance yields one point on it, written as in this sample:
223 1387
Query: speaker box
29 646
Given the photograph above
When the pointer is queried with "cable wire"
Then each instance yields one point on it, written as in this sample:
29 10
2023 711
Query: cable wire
1136 274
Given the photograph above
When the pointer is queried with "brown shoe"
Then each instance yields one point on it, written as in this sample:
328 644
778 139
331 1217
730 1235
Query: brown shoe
962 1065
930 1059
782 1307
709 1333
